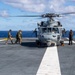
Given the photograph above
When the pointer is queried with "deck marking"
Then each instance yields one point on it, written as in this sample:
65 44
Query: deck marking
4 39
68 41
50 63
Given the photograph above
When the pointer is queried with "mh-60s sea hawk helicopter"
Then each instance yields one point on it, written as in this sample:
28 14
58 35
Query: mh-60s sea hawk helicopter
50 31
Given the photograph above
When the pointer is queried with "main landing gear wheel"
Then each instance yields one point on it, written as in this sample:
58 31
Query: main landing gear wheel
38 43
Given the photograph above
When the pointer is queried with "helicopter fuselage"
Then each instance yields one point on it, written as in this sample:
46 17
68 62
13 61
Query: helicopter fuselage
50 32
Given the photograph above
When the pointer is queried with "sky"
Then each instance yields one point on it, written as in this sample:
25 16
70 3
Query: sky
34 7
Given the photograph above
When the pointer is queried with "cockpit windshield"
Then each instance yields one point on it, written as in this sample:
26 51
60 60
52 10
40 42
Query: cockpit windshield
55 30
44 30
48 30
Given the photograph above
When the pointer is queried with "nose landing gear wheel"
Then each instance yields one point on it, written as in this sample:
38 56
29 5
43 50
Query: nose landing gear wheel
48 44
51 44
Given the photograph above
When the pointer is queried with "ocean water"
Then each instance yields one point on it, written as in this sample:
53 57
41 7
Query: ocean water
28 34
67 34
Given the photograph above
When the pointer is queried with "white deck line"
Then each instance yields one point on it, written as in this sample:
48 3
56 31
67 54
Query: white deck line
73 41
50 63
68 41
2 40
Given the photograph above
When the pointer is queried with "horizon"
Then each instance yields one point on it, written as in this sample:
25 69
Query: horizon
26 30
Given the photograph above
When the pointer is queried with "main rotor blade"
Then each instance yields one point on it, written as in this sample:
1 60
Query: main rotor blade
47 15
67 13
26 16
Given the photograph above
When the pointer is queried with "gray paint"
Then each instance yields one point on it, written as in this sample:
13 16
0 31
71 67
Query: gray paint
67 59
22 59
25 59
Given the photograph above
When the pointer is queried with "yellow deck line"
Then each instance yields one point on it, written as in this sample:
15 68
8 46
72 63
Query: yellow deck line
4 39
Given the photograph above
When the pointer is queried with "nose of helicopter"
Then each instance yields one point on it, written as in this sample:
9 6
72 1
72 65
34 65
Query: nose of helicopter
49 37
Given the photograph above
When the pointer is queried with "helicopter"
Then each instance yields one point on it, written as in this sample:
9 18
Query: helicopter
50 31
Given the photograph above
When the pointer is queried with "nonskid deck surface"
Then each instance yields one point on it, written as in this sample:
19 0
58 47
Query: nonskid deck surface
21 59
28 59
66 56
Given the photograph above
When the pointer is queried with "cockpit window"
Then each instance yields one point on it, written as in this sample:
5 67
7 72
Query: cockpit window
56 30
44 30
47 30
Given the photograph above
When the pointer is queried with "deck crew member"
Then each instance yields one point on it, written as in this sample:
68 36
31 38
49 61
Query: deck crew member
70 37
35 31
19 37
9 37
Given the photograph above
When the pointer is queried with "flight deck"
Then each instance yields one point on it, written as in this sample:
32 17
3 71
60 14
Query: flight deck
29 59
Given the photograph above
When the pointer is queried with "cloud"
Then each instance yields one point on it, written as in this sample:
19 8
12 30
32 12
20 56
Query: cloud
70 9
41 5
56 5
29 5
61 6
4 13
